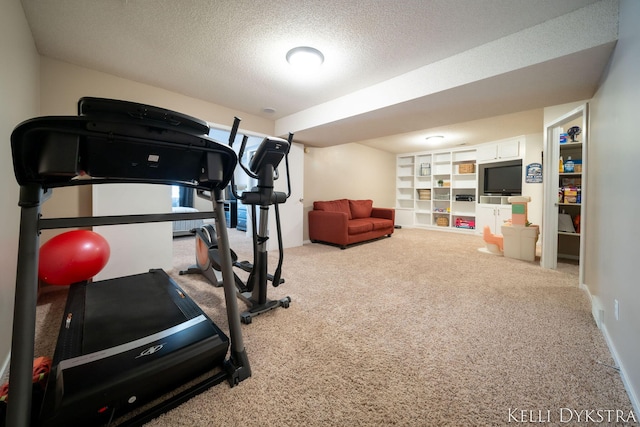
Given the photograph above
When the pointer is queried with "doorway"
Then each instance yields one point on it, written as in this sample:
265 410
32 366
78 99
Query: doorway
565 183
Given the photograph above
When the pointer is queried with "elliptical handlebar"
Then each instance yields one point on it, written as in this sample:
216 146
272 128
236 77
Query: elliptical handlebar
234 130
286 163
245 138
232 138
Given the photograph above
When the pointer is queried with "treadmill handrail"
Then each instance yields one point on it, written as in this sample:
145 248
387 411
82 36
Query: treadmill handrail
94 221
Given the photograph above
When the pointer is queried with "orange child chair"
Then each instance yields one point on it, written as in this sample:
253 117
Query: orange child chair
494 242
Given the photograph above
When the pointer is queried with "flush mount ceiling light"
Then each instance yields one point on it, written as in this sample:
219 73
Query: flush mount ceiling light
434 139
305 58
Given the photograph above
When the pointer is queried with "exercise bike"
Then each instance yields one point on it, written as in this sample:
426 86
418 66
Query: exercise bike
262 167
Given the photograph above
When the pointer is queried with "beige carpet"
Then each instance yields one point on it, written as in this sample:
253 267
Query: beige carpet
420 329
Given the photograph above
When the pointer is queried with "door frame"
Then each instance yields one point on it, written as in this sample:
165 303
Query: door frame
551 176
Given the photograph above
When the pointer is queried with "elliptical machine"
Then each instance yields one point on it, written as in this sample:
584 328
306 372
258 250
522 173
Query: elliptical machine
262 167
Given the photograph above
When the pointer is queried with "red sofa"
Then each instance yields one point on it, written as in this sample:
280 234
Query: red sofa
344 222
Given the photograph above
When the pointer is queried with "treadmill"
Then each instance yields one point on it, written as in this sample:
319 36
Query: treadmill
127 341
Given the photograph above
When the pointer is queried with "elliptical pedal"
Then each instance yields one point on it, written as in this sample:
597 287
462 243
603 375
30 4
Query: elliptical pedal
244 265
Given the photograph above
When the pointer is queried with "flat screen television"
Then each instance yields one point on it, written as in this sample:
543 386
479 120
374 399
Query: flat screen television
504 178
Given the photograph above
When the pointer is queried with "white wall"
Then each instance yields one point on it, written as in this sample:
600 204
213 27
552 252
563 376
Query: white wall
533 154
135 248
613 235
350 171
19 99
63 84
553 112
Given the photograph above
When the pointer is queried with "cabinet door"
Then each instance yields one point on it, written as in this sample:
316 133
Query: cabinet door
509 149
487 152
485 215
494 216
503 214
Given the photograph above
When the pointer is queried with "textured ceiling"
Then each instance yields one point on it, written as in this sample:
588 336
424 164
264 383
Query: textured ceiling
232 53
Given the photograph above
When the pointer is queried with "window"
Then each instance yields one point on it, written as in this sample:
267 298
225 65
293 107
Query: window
175 195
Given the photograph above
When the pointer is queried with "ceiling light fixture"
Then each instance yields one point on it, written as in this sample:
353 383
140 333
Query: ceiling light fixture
435 139
305 57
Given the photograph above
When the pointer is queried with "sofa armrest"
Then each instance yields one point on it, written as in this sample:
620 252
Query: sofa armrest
328 226
386 213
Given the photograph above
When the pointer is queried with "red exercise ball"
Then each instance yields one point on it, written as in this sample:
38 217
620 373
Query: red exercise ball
72 257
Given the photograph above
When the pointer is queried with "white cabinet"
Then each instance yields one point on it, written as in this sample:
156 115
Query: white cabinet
487 152
493 215
509 149
502 150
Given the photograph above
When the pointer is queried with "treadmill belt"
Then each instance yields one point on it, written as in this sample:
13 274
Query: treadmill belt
124 342
125 309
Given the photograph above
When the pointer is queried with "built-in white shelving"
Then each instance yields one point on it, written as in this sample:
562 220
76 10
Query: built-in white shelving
427 184
441 188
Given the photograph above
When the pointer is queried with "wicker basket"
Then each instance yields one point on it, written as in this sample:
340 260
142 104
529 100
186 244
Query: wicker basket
467 168
424 194
442 221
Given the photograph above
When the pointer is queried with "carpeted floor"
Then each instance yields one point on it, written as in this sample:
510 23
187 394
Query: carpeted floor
420 329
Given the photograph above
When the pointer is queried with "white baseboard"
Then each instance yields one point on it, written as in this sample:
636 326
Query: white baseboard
598 314
633 395
596 306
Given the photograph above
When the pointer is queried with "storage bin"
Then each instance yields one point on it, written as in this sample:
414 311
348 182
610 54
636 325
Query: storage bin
467 168
424 194
442 196
442 221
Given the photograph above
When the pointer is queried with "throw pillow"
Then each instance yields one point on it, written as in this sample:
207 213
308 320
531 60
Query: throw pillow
341 205
361 208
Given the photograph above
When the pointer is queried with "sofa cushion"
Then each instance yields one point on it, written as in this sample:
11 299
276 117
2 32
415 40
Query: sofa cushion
360 208
340 205
380 223
358 226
